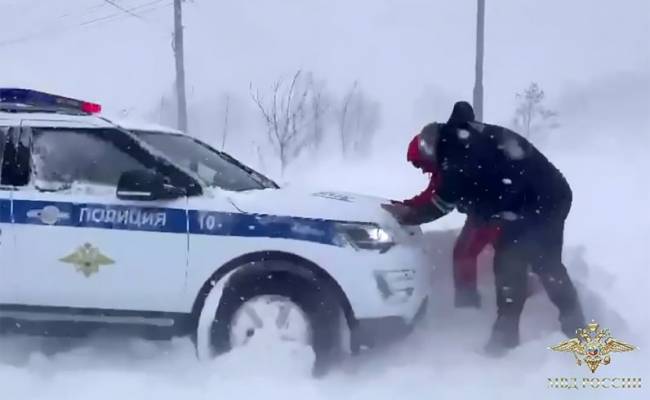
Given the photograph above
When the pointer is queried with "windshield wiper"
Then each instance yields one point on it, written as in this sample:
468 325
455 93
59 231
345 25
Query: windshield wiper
259 178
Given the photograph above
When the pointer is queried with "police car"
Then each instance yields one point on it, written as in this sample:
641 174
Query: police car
105 225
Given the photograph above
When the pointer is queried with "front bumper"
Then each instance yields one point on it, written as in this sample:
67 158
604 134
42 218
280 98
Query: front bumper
387 292
373 332
393 284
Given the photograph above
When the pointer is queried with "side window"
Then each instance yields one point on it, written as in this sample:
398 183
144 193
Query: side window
63 157
14 156
3 140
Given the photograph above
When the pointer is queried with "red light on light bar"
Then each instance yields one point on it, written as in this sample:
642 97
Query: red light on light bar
91 108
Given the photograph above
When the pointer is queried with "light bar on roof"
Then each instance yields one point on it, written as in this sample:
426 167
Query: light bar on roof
36 99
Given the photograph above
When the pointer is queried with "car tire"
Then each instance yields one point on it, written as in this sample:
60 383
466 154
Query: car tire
271 281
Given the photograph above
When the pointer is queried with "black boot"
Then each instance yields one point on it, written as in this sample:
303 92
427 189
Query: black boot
563 294
504 337
467 298
571 320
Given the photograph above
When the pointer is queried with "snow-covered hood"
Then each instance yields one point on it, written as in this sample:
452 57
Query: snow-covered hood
339 206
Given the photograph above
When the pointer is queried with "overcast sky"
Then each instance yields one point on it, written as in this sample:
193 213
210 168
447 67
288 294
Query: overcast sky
402 51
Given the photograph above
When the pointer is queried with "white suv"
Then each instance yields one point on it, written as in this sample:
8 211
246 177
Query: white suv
149 230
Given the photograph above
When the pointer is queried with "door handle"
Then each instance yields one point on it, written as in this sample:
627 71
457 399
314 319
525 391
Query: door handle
48 215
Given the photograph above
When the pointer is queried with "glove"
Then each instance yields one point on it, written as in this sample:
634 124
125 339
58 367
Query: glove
404 214
407 215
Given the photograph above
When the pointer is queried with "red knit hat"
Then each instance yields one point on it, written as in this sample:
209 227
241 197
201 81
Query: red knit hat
414 156
413 152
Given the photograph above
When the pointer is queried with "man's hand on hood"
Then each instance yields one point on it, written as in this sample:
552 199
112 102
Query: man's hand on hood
409 215
398 210
404 214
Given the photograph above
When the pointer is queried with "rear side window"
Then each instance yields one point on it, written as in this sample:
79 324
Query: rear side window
3 139
63 157
14 157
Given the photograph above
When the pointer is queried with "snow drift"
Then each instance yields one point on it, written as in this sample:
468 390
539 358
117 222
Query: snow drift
606 254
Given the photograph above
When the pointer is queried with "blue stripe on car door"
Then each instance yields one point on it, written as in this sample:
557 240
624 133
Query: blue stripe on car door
258 225
103 216
5 210
173 220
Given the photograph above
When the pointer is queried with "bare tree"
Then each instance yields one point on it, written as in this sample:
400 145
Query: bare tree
531 116
261 164
165 112
358 121
319 104
343 117
226 120
293 115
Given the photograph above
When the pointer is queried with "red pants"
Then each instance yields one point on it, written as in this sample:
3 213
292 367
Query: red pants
473 238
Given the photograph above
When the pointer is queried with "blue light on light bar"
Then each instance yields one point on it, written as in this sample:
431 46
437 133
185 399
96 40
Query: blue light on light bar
35 99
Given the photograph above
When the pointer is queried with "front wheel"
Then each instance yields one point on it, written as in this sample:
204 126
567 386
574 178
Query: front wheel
278 306
271 315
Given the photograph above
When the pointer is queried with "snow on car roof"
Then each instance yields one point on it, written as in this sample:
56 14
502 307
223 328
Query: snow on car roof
139 125
75 121
53 119
36 108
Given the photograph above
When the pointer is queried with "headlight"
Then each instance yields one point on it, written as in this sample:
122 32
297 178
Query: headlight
366 236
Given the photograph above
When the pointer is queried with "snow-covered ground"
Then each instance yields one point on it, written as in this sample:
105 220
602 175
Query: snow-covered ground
607 253
416 58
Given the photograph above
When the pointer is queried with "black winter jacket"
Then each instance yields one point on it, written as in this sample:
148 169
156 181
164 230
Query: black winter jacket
489 172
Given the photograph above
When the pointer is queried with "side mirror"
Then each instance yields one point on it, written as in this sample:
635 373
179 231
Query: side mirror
146 185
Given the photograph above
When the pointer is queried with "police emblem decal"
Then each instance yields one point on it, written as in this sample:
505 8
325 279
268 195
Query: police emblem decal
592 346
87 259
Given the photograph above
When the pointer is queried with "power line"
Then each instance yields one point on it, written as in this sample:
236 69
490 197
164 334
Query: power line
119 7
83 11
106 18
129 10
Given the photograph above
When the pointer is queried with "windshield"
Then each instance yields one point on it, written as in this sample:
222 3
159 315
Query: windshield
212 167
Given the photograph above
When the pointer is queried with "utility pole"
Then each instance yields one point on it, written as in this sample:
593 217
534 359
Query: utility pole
478 83
180 67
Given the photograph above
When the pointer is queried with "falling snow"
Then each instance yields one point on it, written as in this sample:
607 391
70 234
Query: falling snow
600 89
463 134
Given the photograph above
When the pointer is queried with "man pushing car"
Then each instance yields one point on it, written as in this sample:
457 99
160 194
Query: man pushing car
474 237
518 200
